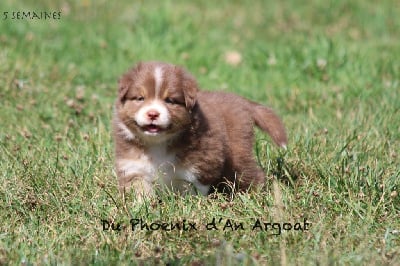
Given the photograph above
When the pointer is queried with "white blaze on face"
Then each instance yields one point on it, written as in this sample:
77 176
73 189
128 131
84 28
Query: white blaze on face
156 105
158 77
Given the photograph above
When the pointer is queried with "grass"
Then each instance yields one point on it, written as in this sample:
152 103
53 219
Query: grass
329 68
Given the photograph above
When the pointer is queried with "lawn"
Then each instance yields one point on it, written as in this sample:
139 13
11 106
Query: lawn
330 69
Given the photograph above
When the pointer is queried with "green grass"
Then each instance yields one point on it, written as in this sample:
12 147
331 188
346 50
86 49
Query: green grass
329 68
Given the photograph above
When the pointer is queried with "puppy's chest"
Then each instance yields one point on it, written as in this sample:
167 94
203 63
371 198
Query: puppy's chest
164 165
158 165
161 160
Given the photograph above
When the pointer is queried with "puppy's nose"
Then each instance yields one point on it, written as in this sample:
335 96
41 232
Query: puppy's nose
153 114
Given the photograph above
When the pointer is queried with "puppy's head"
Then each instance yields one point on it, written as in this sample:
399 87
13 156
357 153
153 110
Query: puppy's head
155 101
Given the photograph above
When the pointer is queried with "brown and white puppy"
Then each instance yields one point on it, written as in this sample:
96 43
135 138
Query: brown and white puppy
168 132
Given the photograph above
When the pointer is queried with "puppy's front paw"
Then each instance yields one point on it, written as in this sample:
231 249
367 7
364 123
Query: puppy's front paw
140 189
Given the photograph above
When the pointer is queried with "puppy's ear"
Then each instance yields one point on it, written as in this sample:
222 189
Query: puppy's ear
190 97
189 87
126 81
123 87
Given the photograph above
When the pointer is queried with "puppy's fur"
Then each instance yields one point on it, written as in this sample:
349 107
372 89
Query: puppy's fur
168 132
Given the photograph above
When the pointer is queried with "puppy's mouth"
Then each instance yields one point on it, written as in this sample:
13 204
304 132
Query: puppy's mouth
152 129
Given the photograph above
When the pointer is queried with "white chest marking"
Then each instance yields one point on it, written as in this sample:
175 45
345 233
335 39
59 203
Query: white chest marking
161 166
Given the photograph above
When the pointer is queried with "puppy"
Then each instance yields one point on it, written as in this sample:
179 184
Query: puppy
168 132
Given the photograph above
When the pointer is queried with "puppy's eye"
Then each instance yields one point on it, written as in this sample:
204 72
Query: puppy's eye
138 99
170 100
